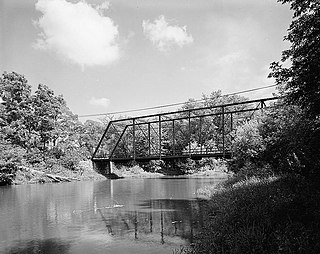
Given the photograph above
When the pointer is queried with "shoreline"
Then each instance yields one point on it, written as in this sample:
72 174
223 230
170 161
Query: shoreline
28 175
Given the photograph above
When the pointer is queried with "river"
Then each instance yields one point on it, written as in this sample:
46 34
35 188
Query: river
112 216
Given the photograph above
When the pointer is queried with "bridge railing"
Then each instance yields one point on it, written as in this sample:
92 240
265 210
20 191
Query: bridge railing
205 131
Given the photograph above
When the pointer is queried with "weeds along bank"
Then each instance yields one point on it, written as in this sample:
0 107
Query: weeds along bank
260 215
206 167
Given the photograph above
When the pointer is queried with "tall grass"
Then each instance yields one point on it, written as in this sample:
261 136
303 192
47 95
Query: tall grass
269 215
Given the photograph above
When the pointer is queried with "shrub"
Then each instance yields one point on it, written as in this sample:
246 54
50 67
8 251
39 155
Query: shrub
70 159
247 145
34 157
154 166
7 173
11 157
292 141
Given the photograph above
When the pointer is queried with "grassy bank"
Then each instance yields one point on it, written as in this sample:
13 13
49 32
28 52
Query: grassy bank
134 172
260 215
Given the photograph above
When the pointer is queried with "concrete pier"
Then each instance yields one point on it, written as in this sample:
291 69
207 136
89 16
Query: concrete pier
103 167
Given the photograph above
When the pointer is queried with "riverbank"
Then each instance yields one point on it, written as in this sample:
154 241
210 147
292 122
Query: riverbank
139 172
260 215
85 172
26 175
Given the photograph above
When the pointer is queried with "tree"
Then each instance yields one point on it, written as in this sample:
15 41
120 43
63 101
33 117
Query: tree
47 108
17 114
247 145
91 134
300 83
292 141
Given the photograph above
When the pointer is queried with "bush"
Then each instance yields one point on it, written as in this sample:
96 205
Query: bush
11 157
247 145
154 166
34 157
292 141
7 173
283 139
70 159
250 170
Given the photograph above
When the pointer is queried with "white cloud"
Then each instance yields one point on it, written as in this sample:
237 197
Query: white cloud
78 32
100 102
103 6
164 36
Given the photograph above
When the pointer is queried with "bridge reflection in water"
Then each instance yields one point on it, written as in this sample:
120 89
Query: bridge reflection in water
162 220
159 219
193 133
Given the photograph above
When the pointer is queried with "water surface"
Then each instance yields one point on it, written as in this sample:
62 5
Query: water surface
113 216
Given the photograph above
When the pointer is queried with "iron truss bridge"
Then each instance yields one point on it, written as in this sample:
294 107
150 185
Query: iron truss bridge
191 133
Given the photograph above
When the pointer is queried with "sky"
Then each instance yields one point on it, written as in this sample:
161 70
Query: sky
107 56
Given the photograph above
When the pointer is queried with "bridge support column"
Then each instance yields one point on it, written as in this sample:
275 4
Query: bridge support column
103 167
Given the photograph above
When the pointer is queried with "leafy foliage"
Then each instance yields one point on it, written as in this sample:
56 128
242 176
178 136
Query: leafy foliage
47 109
291 141
39 129
11 157
300 82
247 145
16 117
287 136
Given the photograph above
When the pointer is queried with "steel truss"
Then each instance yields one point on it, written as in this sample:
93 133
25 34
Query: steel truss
192 133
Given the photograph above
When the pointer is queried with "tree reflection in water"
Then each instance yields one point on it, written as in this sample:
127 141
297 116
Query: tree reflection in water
47 246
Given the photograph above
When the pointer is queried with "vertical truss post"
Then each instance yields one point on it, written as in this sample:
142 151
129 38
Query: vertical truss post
231 129
149 141
262 105
200 134
189 131
160 143
173 138
134 137
223 132
231 122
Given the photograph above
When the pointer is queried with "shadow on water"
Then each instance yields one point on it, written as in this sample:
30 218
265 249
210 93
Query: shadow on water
47 246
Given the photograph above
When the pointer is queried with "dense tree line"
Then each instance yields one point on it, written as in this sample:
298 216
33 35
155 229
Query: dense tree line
38 129
286 138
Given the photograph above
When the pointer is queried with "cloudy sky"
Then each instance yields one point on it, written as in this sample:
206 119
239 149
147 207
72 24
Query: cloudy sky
127 54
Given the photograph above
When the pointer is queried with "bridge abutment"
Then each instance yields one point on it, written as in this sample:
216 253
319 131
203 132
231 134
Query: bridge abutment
103 167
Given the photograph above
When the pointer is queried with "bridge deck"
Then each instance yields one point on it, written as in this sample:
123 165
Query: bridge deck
166 157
